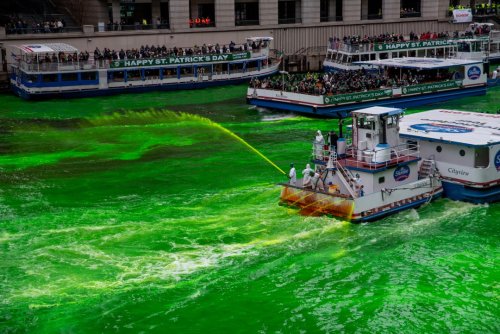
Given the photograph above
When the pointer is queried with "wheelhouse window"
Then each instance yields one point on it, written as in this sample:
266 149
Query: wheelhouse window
246 12
289 11
410 8
201 13
371 9
330 10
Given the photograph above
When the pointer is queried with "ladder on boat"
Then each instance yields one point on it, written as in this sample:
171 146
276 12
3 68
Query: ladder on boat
347 179
426 168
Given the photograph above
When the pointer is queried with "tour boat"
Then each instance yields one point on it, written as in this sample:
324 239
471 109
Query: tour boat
375 176
459 78
485 48
465 147
32 78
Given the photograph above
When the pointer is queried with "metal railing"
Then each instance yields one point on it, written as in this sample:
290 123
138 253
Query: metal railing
410 14
374 159
41 30
247 22
372 17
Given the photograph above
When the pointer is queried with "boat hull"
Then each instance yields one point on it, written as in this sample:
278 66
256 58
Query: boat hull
460 192
79 93
354 210
342 110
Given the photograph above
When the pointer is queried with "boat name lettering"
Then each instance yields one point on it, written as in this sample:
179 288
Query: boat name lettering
457 172
424 88
412 45
180 60
356 97
497 161
401 173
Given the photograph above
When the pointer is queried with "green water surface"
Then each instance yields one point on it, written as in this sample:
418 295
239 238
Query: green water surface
122 214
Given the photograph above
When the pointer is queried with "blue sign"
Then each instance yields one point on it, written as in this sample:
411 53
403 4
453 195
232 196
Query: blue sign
401 173
474 73
444 128
497 161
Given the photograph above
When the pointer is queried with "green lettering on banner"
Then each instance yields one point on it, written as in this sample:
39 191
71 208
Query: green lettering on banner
181 60
425 88
356 97
413 45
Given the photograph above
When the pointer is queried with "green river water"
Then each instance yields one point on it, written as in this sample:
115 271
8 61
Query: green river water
117 215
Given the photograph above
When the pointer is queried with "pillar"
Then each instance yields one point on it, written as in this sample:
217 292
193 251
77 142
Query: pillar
268 12
310 11
391 9
224 13
179 14
352 10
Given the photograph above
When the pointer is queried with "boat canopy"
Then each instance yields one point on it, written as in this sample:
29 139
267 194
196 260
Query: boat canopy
257 39
453 126
46 48
379 111
418 62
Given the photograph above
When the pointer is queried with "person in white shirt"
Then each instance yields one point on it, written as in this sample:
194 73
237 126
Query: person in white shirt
292 175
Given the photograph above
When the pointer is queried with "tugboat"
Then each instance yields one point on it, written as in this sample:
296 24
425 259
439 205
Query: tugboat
465 147
375 176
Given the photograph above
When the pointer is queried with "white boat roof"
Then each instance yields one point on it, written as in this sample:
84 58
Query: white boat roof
378 111
46 48
419 62
453 126
256 39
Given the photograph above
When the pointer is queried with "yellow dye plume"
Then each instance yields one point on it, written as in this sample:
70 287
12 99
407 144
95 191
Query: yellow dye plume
241 140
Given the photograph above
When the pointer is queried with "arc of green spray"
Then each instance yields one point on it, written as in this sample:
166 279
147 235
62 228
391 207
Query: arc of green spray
241 140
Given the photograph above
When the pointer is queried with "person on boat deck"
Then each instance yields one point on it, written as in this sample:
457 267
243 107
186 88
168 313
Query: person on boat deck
361 192
495 74
317 182
333 138
306 182
319 142
292 175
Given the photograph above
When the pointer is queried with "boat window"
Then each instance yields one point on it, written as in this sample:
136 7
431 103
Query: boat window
439 149
384 55
89 76
381 179
152 74
463 47
115 76
49 78
186 71
30 78
365 123
462 153
236 68
169 73
252 66
373 56
481 157
394 55
133 75
69 76
392 121
412 145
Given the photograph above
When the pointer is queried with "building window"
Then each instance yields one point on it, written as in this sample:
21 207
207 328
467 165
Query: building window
164 16
330 10
439 149
410 8
371 9
246 12
135 16
289 12
381 179
462 153
201 13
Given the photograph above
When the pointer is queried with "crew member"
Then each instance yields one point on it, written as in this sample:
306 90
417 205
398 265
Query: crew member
319 142
292 175
306 182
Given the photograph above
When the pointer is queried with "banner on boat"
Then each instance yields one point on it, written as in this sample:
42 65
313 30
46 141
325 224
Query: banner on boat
462 15
425 88
181 60
356 97
413 45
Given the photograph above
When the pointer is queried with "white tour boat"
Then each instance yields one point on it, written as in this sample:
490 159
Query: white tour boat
465 147
374 177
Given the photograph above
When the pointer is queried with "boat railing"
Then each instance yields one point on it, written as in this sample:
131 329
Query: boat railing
380 158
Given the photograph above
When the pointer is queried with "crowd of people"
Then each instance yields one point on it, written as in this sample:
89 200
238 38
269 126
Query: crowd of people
343 82
18 25
163 51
